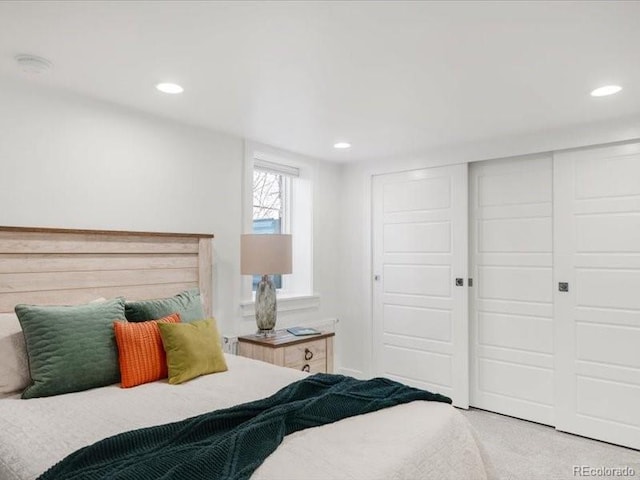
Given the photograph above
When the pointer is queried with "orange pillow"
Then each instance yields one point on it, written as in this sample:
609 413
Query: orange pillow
140 351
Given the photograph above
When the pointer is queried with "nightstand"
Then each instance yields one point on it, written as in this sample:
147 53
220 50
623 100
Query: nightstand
312 353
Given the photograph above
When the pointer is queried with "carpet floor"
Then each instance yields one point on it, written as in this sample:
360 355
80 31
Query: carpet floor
522 450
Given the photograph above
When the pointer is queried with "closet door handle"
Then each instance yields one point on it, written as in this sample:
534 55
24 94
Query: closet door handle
459 282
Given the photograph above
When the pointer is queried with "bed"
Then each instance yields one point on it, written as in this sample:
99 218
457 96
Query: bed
44 266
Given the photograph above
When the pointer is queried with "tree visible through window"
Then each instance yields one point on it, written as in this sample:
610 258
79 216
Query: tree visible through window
267 196
269 202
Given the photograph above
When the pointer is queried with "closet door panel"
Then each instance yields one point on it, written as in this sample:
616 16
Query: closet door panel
521 332
511 380
511 307
515 283
420 323
597 252
515 235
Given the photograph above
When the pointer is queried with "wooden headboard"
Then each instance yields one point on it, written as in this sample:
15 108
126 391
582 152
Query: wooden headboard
64 267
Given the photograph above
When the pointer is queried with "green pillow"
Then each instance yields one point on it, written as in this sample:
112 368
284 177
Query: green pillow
70 348
187 304
193 349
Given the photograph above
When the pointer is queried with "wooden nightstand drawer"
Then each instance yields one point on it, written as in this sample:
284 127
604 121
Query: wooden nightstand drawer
313 354
314 366
305 352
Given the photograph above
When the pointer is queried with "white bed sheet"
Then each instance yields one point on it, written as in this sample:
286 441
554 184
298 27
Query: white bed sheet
419 440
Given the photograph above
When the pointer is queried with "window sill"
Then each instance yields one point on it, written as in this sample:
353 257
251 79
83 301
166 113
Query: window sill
286 303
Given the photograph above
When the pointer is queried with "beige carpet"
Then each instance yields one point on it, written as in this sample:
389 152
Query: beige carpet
522 450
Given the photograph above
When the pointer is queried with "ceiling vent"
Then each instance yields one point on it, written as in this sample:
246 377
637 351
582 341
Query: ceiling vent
32 65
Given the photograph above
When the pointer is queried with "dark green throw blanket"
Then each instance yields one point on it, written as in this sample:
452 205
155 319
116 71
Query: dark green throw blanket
232 443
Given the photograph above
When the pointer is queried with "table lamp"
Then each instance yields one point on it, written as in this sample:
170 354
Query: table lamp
265 254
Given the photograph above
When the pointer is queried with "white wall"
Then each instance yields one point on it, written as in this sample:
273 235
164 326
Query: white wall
355 233
71 162
67 161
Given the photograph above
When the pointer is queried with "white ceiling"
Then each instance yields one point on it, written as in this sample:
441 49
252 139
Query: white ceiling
389 77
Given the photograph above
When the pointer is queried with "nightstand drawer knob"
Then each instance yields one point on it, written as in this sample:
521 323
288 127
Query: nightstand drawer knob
308 354
306 367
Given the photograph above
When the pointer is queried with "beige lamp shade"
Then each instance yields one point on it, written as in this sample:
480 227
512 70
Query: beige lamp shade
265 254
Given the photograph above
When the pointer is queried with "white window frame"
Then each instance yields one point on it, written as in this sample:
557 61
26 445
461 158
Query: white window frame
297 289
289 174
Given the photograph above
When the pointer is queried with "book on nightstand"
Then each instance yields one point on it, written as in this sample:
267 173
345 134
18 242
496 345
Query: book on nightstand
302 331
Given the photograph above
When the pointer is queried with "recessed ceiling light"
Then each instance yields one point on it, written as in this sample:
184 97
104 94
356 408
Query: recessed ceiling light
172 88
32 64
342 145
606 90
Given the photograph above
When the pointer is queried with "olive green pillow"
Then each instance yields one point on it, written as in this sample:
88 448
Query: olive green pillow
70 348
193 349
187 304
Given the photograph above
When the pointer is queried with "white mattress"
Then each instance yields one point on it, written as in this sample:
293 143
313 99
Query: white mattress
424 440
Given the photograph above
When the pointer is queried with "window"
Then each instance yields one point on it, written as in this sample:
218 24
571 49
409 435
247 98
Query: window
271 197
278 199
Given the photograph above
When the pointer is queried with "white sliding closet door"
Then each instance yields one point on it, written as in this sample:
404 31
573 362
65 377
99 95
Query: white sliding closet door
597 252
511 309
419 249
